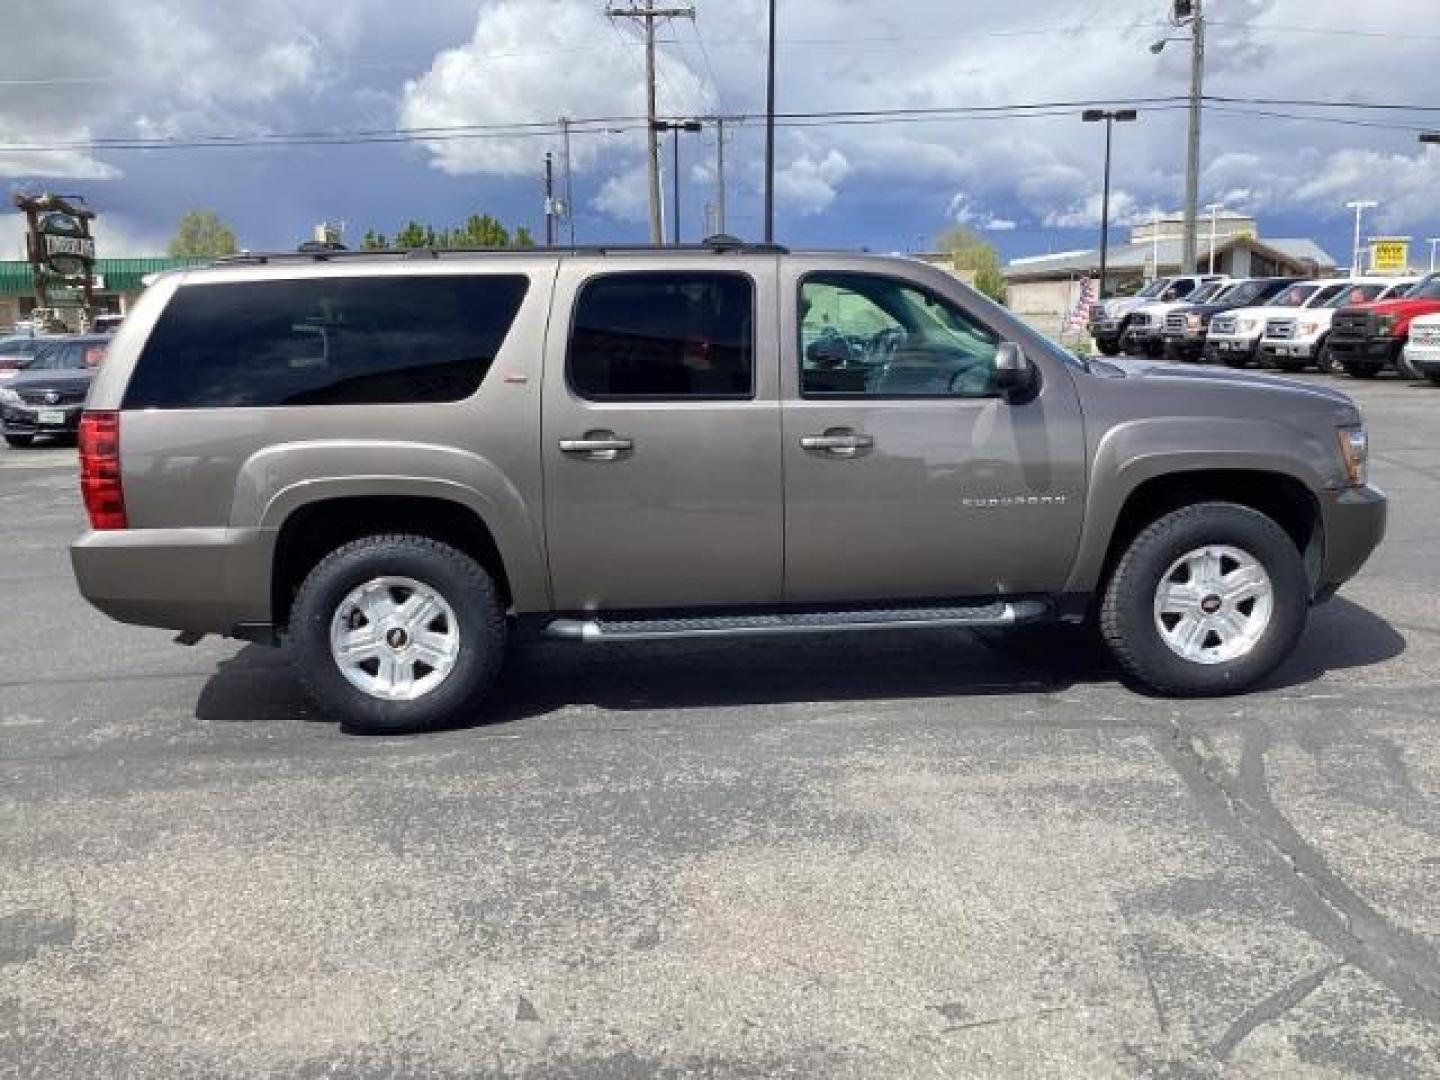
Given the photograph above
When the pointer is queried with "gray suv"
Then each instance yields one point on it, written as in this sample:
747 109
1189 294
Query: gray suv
390 460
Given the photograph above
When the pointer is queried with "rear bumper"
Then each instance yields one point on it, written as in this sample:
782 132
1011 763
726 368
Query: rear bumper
211 581
40 419
1354 526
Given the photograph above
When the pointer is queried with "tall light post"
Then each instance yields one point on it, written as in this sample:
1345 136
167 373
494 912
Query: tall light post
770 130
1191 13
675 127
1214 209
1359 206
1433 241
1111 117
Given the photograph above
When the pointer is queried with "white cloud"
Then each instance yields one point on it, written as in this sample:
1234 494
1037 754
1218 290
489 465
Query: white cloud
808 184
962 212
625 196
116 237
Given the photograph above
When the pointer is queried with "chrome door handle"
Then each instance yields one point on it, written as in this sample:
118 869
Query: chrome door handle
836 443
600 445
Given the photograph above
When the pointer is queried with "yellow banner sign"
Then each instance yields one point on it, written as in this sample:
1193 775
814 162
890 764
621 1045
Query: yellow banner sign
1390 255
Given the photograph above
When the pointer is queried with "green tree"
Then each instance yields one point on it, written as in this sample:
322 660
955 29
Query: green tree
478 230
372 240
975 260
201 234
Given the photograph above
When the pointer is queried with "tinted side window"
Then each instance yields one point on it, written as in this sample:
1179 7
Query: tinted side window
326 341
663 335
875 336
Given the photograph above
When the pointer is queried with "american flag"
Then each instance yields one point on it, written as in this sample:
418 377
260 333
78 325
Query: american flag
1079 314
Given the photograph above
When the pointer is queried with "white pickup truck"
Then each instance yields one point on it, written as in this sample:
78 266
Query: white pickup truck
1421 359
1142 336
1234 336
1294 341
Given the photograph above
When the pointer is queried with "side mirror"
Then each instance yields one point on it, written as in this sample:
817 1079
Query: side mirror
1014 371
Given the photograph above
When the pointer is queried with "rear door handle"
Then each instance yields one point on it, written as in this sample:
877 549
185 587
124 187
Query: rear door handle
597 445
838 443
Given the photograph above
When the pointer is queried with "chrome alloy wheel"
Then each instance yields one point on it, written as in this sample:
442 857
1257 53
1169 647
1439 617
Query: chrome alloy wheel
394 638
1213 604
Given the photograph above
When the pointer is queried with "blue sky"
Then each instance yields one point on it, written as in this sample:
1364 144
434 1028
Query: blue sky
181 68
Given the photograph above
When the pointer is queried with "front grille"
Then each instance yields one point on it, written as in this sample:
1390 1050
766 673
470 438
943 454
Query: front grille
1223 324
52 397
1429 336
1175 324
1350 324
1280 329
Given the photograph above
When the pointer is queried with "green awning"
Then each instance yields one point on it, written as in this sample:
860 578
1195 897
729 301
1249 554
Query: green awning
117 275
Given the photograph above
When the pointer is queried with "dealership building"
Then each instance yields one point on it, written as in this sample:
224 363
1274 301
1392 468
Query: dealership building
116 283
1044 288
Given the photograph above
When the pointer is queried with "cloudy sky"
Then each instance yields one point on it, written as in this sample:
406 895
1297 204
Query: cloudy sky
80 73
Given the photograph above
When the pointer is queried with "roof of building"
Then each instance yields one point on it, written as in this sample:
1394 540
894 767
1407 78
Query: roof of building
17 278
1141 257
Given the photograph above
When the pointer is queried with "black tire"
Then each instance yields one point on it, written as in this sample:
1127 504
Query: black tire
1108 347
1361 370
1231 360
1127 618
20 441
1288 365
464 585
1324 361
1434 377
1154 349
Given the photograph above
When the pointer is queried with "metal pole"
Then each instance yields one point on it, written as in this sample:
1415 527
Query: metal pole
1192 163
1155 242
549 199
1433 241
569 198
1214 211
770 131
1105 212
652 135
675 183
720 174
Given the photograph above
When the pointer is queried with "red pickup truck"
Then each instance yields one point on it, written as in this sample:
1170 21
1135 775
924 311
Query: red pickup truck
1368 338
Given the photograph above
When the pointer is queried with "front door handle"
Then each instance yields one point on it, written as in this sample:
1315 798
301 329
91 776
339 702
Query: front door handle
837 442
597 445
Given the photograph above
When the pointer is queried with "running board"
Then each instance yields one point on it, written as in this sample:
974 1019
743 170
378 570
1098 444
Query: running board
632 628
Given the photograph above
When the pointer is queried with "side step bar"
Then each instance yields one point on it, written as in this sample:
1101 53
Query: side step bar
632 628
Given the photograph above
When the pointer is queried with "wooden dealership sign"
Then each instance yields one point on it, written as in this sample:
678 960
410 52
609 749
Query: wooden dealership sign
60 248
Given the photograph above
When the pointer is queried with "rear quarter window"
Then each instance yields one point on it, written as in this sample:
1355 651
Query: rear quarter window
326 341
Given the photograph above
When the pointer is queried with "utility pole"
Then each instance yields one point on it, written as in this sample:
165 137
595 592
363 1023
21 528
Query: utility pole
720 174
647 14
549 199
770 131
1192 158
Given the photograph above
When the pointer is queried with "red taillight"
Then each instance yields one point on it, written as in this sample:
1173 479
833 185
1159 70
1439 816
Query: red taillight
100 469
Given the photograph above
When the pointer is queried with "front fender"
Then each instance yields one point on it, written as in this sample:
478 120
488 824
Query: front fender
278 480
1135 452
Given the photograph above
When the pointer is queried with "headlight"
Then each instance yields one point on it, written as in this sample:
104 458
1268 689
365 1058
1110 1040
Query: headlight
1355 453
1193 322
8 396
1386 326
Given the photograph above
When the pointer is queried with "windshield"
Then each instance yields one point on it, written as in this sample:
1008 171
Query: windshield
1356 294
1154 289
1428 289
1295 296
1247 292
1208 292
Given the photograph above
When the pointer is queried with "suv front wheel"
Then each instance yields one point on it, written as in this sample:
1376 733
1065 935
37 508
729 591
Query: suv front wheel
1205 601
397 633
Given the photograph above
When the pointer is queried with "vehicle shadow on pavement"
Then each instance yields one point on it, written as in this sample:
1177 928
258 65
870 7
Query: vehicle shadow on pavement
542 677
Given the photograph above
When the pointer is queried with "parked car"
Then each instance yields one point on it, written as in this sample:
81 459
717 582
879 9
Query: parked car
47 396
1234 337
1108 318
1422 349
1187 328
1367 338
1292 343
388 460
108 323
1142 330
16 351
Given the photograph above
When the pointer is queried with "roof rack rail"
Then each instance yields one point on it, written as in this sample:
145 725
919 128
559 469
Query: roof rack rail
719 244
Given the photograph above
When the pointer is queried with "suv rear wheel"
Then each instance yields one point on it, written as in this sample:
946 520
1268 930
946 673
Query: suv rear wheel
1205 601
397 633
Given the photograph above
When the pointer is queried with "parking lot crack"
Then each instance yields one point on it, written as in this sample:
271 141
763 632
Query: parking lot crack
1341 919
1271 1009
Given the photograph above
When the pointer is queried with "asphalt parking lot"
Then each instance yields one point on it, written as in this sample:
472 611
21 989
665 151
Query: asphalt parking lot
902 855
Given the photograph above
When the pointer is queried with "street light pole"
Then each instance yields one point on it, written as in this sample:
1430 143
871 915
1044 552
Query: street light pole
1214 209
1359 206
1433 242
675 127
770 131
1092 116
